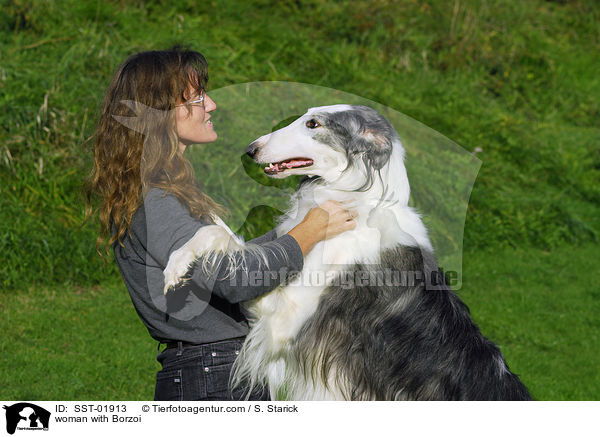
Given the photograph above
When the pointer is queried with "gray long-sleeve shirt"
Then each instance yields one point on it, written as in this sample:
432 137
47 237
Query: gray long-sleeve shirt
207 307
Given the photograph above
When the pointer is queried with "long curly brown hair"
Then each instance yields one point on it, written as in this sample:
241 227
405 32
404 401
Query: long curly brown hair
136 144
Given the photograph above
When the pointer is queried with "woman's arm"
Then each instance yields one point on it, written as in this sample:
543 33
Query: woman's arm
269 236
325 221
248 273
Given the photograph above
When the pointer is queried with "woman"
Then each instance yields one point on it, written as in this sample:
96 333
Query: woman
151 204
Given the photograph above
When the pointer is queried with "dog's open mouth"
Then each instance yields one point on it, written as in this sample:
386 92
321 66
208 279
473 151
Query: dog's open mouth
280 166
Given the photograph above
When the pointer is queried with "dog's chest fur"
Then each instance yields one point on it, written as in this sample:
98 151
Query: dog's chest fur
281 313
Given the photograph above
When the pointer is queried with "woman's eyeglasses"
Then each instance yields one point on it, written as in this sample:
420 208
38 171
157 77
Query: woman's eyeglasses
198 102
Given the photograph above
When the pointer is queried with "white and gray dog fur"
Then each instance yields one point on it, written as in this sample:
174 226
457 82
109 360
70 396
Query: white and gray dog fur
363 340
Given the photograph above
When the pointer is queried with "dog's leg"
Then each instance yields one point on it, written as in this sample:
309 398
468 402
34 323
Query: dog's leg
208 239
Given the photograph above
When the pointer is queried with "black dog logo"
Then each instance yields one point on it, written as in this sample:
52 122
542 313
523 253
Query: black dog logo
26 416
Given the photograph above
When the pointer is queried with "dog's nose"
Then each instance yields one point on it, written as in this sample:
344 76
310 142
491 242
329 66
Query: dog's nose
252 149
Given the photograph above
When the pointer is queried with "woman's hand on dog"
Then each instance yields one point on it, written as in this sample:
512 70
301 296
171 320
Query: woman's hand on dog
322 222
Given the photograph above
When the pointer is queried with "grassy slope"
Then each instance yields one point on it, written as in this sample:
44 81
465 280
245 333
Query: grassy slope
517 79
541 308
88 344
84 343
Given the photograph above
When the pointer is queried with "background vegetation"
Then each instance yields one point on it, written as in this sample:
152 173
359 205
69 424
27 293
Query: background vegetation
515 82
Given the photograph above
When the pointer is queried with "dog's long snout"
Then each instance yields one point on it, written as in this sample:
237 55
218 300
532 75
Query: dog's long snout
252 149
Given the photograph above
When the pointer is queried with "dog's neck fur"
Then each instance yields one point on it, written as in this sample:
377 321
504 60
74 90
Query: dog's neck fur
382 208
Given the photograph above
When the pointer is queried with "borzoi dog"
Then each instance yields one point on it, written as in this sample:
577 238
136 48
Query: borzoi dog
381 324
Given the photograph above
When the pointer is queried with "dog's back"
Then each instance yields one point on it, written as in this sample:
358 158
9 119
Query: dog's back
402 334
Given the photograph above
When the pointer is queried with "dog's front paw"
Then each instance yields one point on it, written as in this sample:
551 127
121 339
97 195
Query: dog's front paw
179 264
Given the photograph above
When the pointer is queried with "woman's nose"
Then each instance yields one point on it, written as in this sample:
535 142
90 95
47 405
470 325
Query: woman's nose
209 104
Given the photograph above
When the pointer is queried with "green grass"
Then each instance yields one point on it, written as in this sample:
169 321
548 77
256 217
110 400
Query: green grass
541 307
88 343
517 79
75 343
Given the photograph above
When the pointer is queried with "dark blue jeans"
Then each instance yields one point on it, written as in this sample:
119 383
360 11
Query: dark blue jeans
200 373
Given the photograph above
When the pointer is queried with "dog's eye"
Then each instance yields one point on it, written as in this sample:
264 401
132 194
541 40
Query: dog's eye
312 124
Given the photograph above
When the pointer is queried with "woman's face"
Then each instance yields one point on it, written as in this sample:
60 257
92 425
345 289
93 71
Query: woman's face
193 121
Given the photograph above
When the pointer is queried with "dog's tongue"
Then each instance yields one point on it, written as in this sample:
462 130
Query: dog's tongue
288 163
296 162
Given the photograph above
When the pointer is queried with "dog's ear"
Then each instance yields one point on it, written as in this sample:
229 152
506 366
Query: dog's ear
375 146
